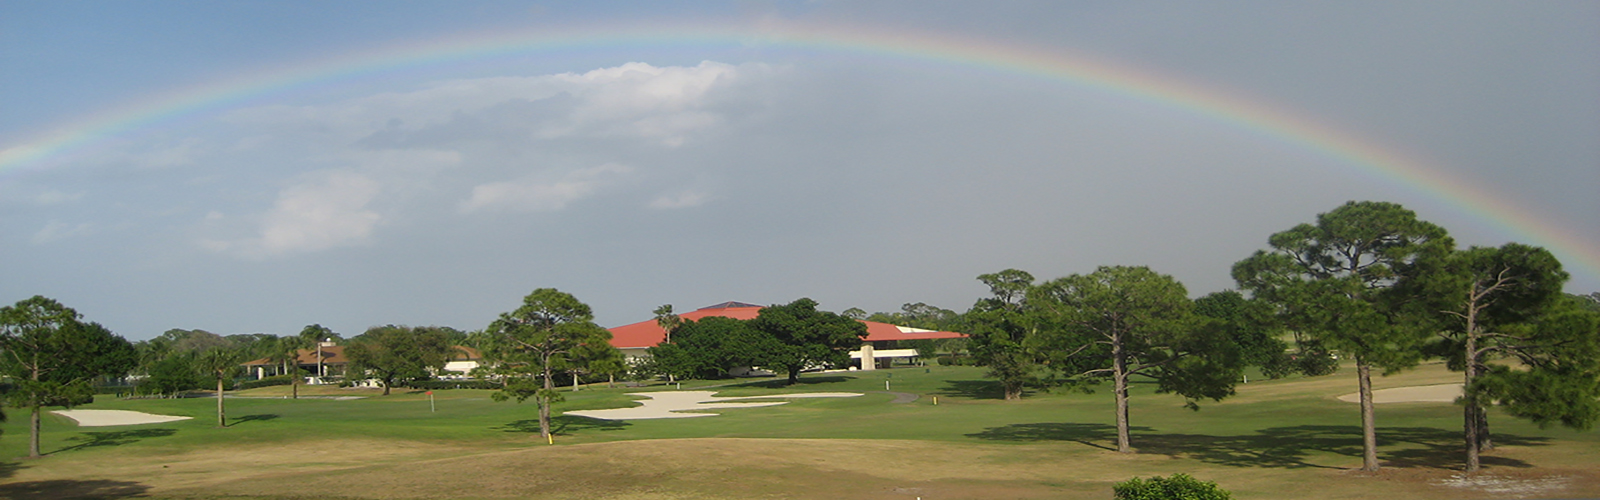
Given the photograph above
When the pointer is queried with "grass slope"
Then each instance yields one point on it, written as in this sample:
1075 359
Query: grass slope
1274 439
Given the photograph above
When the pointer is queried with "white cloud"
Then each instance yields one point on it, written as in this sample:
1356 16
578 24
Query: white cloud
636 100
531 194
684 199
56 230
328 211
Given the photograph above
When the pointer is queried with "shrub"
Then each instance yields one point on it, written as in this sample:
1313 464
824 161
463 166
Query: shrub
266 382
450 384
1178 487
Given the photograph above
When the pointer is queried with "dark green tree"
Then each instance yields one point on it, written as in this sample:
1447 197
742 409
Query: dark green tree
1560 378
394 353
171 375
1251 326
1001 333
803 336
536 337
711 347
1121 321
1336 281
1499 303
53 357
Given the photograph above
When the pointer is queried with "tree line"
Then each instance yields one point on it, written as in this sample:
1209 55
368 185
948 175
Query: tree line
1366 282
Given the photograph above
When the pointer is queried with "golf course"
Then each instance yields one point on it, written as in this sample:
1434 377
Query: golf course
1288 438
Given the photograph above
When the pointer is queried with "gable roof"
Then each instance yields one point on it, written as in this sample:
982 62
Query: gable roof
647 333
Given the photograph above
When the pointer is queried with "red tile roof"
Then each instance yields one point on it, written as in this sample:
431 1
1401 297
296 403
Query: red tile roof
647 333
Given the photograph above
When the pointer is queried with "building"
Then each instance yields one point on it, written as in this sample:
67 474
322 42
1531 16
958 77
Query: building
880 345
321 361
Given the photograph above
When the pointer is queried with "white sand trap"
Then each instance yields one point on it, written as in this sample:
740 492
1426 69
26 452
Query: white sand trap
1442 393
105 418
668 404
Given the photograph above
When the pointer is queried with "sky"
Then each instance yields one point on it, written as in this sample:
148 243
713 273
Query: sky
258 166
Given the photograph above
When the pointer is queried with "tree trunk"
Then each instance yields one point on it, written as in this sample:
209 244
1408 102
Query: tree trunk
1369 427
794 375
1119 375
386 387
1484 443
611 380
1470 417
1013 391
544 402
222 418
33 425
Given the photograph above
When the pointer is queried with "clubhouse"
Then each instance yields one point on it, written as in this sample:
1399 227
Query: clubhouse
881 346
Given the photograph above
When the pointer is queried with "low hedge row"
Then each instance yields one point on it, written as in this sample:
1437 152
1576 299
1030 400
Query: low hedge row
266 382
451 384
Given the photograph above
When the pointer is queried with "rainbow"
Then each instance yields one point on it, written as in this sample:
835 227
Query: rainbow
1135 84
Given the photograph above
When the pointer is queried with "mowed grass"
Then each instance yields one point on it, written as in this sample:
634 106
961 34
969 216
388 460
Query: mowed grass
1275 439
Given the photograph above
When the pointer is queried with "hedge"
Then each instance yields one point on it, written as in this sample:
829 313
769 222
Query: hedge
451 384
266 382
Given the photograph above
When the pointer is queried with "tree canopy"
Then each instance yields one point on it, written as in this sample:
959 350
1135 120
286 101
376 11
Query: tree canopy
803 337
53 357
1121 321
1336 281
390 353
711 347
536 338
1002 332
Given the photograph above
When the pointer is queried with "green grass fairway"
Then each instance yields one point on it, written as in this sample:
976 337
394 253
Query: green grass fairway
1275 439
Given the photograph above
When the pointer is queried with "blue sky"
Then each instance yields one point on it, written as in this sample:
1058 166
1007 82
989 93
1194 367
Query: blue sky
638 174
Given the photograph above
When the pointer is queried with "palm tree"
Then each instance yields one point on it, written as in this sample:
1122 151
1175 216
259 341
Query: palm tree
222 364
668 322
286 353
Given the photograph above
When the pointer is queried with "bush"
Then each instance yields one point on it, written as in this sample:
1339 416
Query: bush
450 384
1178 487
266 382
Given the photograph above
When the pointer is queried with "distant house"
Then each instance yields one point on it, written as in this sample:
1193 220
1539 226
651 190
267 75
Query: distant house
462 361
881 342
324 360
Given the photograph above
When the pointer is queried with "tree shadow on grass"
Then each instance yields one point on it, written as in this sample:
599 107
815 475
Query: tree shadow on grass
253 418
8 469
565 425
974 389
65 488
1277 447
113 438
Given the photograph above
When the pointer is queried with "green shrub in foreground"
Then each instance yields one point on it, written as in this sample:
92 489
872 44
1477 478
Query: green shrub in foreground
1178 487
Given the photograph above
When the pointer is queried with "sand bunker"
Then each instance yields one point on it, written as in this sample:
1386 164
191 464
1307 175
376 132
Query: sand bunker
104 418
1443 393
668 404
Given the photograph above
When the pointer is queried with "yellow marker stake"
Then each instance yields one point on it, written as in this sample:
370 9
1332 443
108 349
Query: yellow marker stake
936 400
551 438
